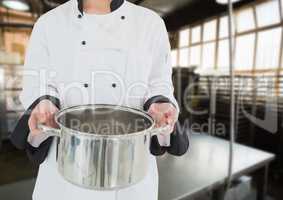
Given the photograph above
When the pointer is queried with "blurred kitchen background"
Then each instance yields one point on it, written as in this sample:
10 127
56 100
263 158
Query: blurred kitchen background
198 31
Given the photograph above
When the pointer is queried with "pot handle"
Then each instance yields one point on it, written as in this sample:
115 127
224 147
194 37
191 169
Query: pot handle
161 130
49 131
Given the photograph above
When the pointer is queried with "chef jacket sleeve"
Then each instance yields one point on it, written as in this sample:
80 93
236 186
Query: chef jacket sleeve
160 80
37 68
36 86
161 87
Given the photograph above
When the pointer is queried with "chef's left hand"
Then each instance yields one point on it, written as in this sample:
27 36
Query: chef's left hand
164 114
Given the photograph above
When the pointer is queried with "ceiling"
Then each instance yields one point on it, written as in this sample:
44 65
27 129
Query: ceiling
164 7
197 10
176 13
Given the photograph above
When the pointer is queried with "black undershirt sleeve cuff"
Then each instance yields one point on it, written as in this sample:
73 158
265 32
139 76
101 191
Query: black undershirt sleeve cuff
156 99
38 155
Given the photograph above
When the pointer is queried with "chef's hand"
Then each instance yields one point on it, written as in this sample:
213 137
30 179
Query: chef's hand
43 113
164 114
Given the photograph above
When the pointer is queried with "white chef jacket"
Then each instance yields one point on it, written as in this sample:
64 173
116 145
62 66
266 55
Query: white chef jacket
118 58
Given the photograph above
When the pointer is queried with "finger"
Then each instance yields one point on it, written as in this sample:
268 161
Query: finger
169 120
170 112
47 120
32 122
172 122
160 117
152 112
154 115
160 121
42 118
152 108
164 121
54 110
54 124
172 116
33 125
51 121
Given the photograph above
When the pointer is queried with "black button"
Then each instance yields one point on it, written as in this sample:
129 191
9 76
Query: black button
123 17
86 85
114 85
83 42
80 16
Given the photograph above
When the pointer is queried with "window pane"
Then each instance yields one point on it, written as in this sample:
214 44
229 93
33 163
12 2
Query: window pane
223 55
209 30
245 52
268 49
195 56
184 38
184 57
174 58
208 55
196 34
266 85
245 20
223 27
268 13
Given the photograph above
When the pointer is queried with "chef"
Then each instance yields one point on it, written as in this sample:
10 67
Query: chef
96 52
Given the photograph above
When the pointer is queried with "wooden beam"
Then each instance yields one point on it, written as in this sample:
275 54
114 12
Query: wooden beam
15 25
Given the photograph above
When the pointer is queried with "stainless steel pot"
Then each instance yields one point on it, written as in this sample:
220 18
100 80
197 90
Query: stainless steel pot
103 147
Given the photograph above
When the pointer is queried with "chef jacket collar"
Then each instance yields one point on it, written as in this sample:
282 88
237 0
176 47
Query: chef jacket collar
115 4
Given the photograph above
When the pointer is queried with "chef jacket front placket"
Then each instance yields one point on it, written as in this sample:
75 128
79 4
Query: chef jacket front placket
103 57
80 44
76 84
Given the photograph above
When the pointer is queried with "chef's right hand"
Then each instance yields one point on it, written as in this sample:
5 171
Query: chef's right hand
43 113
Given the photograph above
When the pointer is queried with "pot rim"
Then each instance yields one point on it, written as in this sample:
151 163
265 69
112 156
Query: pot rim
93 106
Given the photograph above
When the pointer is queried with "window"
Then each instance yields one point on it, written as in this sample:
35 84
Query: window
245 20
245 52
184 38
223 55
174 58
268 13
266 85
196 31
268 49
195 56
210 30
257 42
223 32
208 55
184 57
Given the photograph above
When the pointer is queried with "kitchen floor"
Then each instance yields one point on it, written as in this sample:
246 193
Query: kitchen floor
21 190
17 176
14 165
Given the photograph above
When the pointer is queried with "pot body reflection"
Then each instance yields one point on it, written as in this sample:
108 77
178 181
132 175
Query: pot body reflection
103 163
